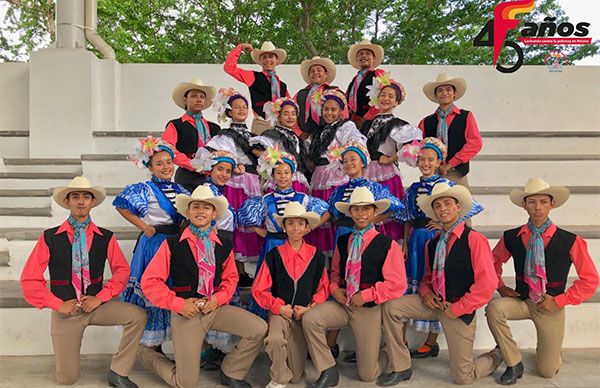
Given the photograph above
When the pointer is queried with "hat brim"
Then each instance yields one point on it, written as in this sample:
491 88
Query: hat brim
60 194
312 218
560 195
458 192
184 87
354 49
182 202
381 205
256 53
459 84
325 62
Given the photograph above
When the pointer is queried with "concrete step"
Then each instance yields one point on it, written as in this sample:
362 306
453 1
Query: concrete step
36 181
45 211
25 201
498 209
536 145
118 142
14 144
26 165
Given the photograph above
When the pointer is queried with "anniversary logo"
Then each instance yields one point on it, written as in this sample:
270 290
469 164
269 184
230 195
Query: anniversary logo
548 32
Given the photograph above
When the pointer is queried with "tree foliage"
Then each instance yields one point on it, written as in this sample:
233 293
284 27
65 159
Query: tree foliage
203 31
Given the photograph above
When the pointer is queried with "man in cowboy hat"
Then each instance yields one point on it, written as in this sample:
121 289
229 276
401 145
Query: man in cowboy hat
264 85
367 270
199 261
455 127
318 73
191 131
542 255
75 254
459 279
365 57
293 280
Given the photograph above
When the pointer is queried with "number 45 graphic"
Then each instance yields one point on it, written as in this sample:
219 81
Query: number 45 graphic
485 38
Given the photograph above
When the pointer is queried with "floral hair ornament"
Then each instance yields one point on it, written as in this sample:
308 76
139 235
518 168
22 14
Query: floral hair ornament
409 153
271 158
272 109
204 160
223 101
435 144
338 96
360 149
381 81
145 149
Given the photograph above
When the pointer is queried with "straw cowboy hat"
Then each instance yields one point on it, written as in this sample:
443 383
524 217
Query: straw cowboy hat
458 192
534 186
296 210
362 196
79 183
202 194
444 79
327 64
365 44
183 87
268 47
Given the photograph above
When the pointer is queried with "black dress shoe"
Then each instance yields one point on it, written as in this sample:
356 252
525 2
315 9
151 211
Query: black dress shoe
245 280
116 380
329 378
335 350
426 351
231 382
351 357
512 374
394 378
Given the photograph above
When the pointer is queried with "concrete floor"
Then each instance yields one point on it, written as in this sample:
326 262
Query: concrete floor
580 369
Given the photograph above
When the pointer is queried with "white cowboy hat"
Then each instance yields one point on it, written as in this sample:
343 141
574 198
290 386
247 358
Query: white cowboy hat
444 79
365 44
327 64
296 210
458 192
268 47
183 87
362 196
79 183
202 194
534 186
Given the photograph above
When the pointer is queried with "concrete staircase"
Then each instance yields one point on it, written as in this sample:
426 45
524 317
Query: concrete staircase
506 161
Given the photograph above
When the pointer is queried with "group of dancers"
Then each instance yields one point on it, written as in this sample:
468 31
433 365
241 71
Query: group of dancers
312 193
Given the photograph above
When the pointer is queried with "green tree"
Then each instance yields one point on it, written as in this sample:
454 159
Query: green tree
204 31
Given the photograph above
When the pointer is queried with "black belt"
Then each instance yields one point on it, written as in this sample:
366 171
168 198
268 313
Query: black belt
167 229
345 221
281 236
420 222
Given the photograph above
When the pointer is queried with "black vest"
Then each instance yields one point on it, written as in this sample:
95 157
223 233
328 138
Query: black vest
187 136
184 269
558 260
309 126
298 293
362 100
260 92
458 270
60 262
456 135
373 257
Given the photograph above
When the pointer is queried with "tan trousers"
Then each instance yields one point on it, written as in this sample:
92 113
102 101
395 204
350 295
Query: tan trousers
459 335
365 323
188 335
286 346
67 332
550 328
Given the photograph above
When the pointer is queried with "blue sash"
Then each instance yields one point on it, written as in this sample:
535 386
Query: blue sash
164 202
